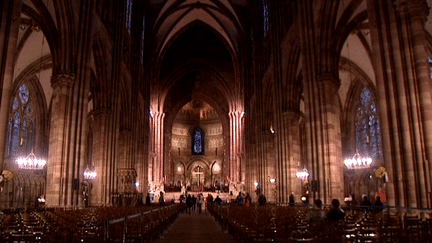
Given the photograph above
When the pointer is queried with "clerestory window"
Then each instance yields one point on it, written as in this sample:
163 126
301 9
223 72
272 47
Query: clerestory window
197 142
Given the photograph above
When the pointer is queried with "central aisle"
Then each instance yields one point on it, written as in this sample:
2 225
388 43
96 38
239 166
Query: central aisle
195 228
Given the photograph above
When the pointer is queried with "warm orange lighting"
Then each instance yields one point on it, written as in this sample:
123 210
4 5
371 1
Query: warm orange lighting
30 162
357 162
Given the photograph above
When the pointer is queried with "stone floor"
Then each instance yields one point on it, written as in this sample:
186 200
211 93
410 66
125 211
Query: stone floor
195 228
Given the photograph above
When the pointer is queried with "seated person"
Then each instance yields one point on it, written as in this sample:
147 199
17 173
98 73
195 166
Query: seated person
366 201
335 213
317 214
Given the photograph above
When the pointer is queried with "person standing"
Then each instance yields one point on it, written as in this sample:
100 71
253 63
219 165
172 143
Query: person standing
291 200
200 200
194 201
262 200
189 203
161 199
148 200
218 200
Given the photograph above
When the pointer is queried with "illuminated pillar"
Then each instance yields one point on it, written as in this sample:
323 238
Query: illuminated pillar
322 109
156 169
236 146
101 157
59 174
404 96
331 144
292 148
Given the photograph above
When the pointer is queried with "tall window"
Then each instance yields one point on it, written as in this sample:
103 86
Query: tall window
266 17
197 142
142 41
367 127
252 38
430 67
129 15
21 128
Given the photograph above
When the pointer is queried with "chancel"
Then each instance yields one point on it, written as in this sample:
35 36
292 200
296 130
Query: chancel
114 112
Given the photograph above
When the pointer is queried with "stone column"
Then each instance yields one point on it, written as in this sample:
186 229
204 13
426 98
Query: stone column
292 146
322 112
100 157
59 177
9 28
142 170
155 171
404 96
124 145
268 166
236 145
331 143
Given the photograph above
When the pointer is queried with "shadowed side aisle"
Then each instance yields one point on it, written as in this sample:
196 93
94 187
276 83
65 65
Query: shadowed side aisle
195 227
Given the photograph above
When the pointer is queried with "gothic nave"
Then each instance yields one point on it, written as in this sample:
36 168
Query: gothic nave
220 96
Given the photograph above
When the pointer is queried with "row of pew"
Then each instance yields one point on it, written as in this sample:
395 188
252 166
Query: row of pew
272 223
91 224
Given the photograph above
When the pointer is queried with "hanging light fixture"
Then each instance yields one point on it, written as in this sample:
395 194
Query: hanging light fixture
30 162
303 174
358 162
89 174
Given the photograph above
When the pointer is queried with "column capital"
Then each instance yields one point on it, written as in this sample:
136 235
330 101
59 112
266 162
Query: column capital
329 79
416 8
101 112
157 114
292 116
62 79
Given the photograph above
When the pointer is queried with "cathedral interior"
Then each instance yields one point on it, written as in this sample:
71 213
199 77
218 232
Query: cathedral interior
104 102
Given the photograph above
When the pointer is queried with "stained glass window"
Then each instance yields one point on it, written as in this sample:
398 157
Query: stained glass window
21 128
197 142
15 133
266 17
142 41
129 15
23 94
430 67
367 127
9 137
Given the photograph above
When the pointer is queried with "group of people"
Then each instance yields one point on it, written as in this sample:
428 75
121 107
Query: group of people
377 204
243 199
193 203
318 214
336 213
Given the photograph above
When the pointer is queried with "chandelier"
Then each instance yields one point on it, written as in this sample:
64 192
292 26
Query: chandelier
89 174
358 162
30 162
303 174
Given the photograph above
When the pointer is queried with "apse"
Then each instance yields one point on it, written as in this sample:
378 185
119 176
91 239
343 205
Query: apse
197 147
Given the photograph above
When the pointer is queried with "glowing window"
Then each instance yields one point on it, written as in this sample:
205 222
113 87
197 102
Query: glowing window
367 127
197 142
430 67
21 128
142 41
129 15
266 17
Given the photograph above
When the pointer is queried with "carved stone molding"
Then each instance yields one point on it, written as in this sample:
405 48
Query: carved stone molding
103 112
416 8
126 179
292 116
62 79
329 79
